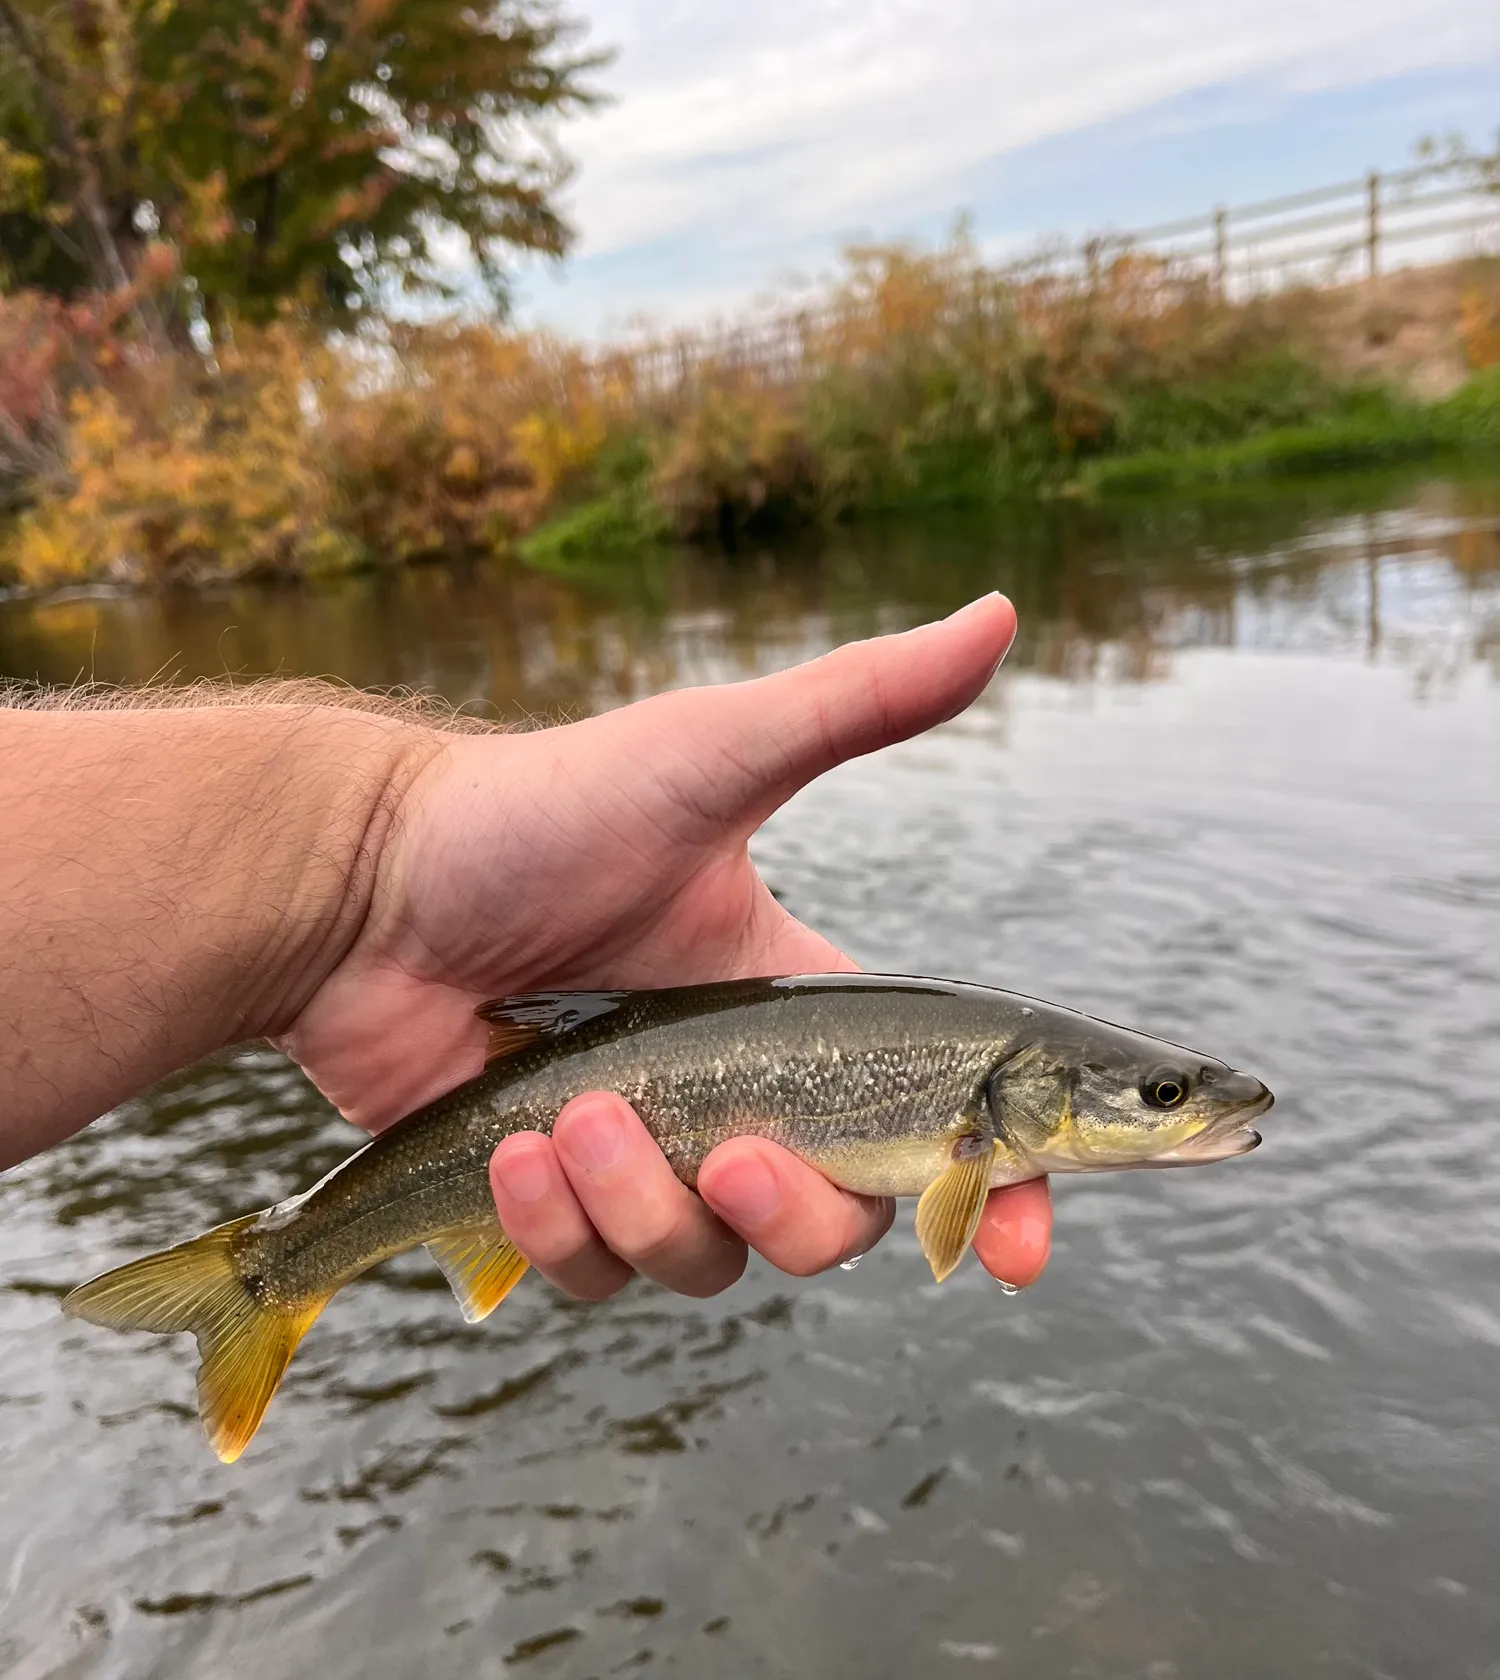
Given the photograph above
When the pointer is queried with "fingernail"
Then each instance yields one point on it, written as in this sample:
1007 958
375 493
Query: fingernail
975 604
524 1175
746 1193
595 1138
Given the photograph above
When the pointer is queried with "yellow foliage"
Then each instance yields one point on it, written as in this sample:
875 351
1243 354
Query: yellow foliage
736 454
180 472
424 456
917 372
1479 318
22 179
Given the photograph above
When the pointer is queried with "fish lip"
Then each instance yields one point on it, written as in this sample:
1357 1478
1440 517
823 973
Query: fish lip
1222 1139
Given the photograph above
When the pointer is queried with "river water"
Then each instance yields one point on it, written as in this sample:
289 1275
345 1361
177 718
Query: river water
1239 785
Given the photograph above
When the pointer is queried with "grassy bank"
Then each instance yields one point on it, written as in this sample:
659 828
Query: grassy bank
1369 435
915 381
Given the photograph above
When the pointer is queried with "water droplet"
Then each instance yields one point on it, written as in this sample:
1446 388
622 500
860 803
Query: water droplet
1027 1011
849 1264
1008 1288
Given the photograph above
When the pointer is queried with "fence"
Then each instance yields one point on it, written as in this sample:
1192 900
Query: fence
1424 214
1328 235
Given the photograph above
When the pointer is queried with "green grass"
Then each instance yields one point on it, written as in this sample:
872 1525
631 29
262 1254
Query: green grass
609 525
1371 435
1328 447
1472 414
1363 429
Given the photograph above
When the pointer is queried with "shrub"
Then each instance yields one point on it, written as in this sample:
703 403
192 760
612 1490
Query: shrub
921 378
1479 315
182 470
736 460
422 450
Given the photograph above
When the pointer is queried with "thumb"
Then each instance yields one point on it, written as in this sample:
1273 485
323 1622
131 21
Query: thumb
754 744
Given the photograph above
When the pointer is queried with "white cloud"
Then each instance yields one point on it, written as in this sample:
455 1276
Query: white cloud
762 126
843 111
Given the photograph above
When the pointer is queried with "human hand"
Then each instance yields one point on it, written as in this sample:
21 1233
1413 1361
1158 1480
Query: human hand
613 852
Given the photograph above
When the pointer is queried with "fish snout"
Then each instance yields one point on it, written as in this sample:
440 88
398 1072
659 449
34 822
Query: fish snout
1238 1098
1242 1092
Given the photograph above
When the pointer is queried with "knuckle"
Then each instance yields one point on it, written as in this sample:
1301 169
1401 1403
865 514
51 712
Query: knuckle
596 1284
797 1259
717 1273
665 1241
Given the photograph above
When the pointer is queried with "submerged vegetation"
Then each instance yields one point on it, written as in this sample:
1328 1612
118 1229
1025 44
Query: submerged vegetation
918 379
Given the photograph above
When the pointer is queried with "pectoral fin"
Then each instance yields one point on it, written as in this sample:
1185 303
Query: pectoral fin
948 1212
481 1263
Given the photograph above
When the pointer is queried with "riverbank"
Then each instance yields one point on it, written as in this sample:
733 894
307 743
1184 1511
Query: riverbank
915 381
1385 432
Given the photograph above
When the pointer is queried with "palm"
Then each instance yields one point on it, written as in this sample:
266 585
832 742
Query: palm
611 852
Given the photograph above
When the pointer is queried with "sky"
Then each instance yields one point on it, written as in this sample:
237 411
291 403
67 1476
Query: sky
746 143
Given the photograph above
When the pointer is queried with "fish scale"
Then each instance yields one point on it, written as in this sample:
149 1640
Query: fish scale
886 1084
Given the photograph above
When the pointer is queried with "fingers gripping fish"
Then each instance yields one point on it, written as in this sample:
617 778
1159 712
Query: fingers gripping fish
890 1086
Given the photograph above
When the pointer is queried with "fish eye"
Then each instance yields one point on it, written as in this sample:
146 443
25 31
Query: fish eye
1165 1088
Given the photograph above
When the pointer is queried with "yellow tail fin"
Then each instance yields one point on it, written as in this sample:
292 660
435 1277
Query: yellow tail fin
244 1345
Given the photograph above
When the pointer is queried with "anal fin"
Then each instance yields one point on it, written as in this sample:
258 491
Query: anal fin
949 1209
481 1264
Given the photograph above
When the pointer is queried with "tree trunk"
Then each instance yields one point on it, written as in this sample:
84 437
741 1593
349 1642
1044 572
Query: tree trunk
101 249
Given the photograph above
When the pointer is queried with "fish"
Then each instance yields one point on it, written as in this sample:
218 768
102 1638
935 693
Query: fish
889 1085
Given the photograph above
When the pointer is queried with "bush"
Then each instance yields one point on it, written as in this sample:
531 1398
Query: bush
424 458
920 379
1479 314
182 471
736 460
49 350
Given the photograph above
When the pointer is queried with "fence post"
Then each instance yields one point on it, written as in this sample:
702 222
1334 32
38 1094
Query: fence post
1372 238
1221 251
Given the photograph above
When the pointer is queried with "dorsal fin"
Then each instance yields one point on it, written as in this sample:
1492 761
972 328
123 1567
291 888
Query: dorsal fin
508 1038
516 1023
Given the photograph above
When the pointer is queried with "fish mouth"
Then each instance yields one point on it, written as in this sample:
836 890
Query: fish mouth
1222 1139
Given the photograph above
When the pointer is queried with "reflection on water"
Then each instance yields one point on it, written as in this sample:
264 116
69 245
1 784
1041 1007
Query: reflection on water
1100 596
1240 785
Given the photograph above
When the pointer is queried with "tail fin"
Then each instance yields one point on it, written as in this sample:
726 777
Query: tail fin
244 1345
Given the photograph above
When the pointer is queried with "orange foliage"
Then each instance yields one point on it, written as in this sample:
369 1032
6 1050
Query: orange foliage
737 455
424 456
1479 318
918 372
181 471
48 350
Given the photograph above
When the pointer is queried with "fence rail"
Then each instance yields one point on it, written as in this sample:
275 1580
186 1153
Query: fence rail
1241 250
1255 247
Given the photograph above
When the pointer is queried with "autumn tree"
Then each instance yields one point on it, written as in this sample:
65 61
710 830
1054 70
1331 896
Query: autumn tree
340 153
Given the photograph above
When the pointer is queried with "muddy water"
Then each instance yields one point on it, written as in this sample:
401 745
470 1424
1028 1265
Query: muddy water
1239 785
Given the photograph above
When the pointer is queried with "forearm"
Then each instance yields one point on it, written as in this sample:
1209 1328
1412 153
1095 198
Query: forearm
171 882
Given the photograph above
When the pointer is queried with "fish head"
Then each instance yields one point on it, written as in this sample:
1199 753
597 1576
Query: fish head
1096 1098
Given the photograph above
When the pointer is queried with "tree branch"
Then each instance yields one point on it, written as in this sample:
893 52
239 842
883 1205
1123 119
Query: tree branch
103 255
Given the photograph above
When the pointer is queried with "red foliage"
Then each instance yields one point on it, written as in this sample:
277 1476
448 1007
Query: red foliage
50 349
